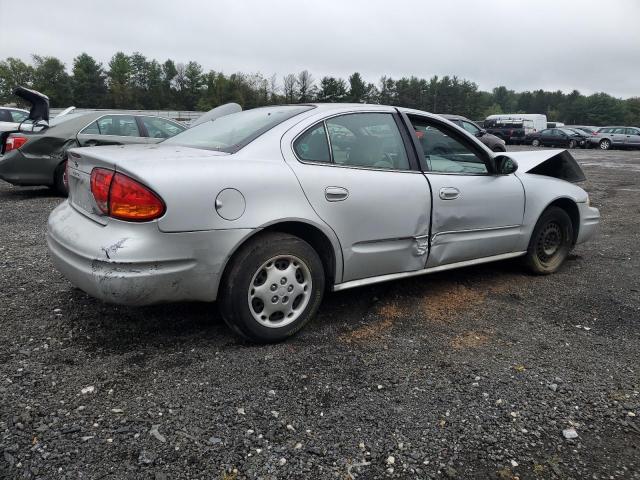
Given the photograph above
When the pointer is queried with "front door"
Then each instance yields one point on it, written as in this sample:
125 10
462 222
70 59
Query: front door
633 138
476 213
362 181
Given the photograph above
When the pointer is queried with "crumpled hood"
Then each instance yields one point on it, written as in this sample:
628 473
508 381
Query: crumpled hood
552 163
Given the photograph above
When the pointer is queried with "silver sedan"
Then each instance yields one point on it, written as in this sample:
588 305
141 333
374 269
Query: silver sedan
266 209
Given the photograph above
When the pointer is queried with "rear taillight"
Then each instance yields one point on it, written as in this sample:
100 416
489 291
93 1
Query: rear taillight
124 198
100 185
14 142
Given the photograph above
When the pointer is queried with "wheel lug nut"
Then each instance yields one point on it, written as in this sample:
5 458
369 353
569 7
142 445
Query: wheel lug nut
283 280
274 299
285 299
290 288
274 287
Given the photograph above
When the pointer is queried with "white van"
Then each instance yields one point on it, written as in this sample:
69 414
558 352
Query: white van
539 120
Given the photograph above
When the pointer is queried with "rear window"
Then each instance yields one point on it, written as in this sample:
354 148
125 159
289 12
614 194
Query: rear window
232 132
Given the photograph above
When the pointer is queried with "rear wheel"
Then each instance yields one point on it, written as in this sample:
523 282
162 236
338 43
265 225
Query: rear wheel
60 184
535 143
605 144
273 287
551 241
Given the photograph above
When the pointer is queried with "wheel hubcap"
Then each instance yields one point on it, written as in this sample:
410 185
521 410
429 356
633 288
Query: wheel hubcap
279 291
549 242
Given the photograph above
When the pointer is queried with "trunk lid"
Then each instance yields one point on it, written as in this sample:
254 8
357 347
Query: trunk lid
126 159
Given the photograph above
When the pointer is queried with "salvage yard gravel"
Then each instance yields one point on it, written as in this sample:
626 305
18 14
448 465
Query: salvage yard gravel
485 372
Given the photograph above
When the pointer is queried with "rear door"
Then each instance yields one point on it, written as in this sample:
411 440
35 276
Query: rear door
476 213
112 129
546 136
361 179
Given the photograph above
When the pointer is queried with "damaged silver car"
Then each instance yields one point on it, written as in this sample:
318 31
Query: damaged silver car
266 209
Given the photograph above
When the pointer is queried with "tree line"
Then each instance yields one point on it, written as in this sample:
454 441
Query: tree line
136 82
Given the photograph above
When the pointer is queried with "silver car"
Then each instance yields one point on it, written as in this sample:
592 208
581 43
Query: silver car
266 209
621 137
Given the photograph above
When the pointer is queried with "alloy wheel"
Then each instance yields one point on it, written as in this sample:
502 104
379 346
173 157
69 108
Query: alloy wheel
279 291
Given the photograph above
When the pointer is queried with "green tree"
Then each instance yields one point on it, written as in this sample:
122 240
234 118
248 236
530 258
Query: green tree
13 72
119 78
357 88
89 88
51 78
332 90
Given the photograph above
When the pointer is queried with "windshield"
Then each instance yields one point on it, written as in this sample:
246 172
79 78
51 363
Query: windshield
232 132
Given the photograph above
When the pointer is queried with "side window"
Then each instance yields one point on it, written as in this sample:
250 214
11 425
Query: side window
91 129
367 140
633 131
119 125
470 127
619 130
161 128
18 116
547 133
5 116
312 145
446 154
605 130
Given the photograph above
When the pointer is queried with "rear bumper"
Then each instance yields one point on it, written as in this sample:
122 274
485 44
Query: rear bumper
589 220
18 169
136 264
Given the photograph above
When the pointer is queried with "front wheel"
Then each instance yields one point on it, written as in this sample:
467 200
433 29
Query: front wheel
551 241
536 143
273 287
572 144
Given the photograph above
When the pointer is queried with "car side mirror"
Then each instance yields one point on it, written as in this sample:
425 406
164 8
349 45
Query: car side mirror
505 165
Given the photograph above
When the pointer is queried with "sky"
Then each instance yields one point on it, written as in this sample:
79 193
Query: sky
589 45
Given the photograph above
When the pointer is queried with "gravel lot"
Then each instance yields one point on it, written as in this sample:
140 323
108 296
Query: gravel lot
467 374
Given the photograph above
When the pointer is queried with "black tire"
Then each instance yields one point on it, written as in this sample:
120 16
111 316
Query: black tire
59 181
605 144
535 142
572 144
551 241
241 274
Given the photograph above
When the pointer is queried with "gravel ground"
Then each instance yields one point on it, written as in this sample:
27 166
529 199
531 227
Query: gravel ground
467 374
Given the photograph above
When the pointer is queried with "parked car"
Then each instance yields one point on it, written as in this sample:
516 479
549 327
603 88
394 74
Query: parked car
37 156
511 131
585 128
621 137
558 137
262 211
494 143
11 118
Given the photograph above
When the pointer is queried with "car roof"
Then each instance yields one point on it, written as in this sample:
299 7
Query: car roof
15 109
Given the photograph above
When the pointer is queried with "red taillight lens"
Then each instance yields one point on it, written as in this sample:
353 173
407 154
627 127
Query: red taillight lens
124 198
100 184
14 142
130 200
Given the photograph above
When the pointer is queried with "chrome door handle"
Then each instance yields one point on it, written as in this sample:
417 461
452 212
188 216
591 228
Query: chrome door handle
449 193
335 194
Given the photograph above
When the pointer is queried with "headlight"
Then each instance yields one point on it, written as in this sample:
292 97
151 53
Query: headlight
588 201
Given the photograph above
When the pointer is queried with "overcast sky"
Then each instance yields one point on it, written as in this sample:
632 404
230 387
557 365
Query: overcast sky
590 45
